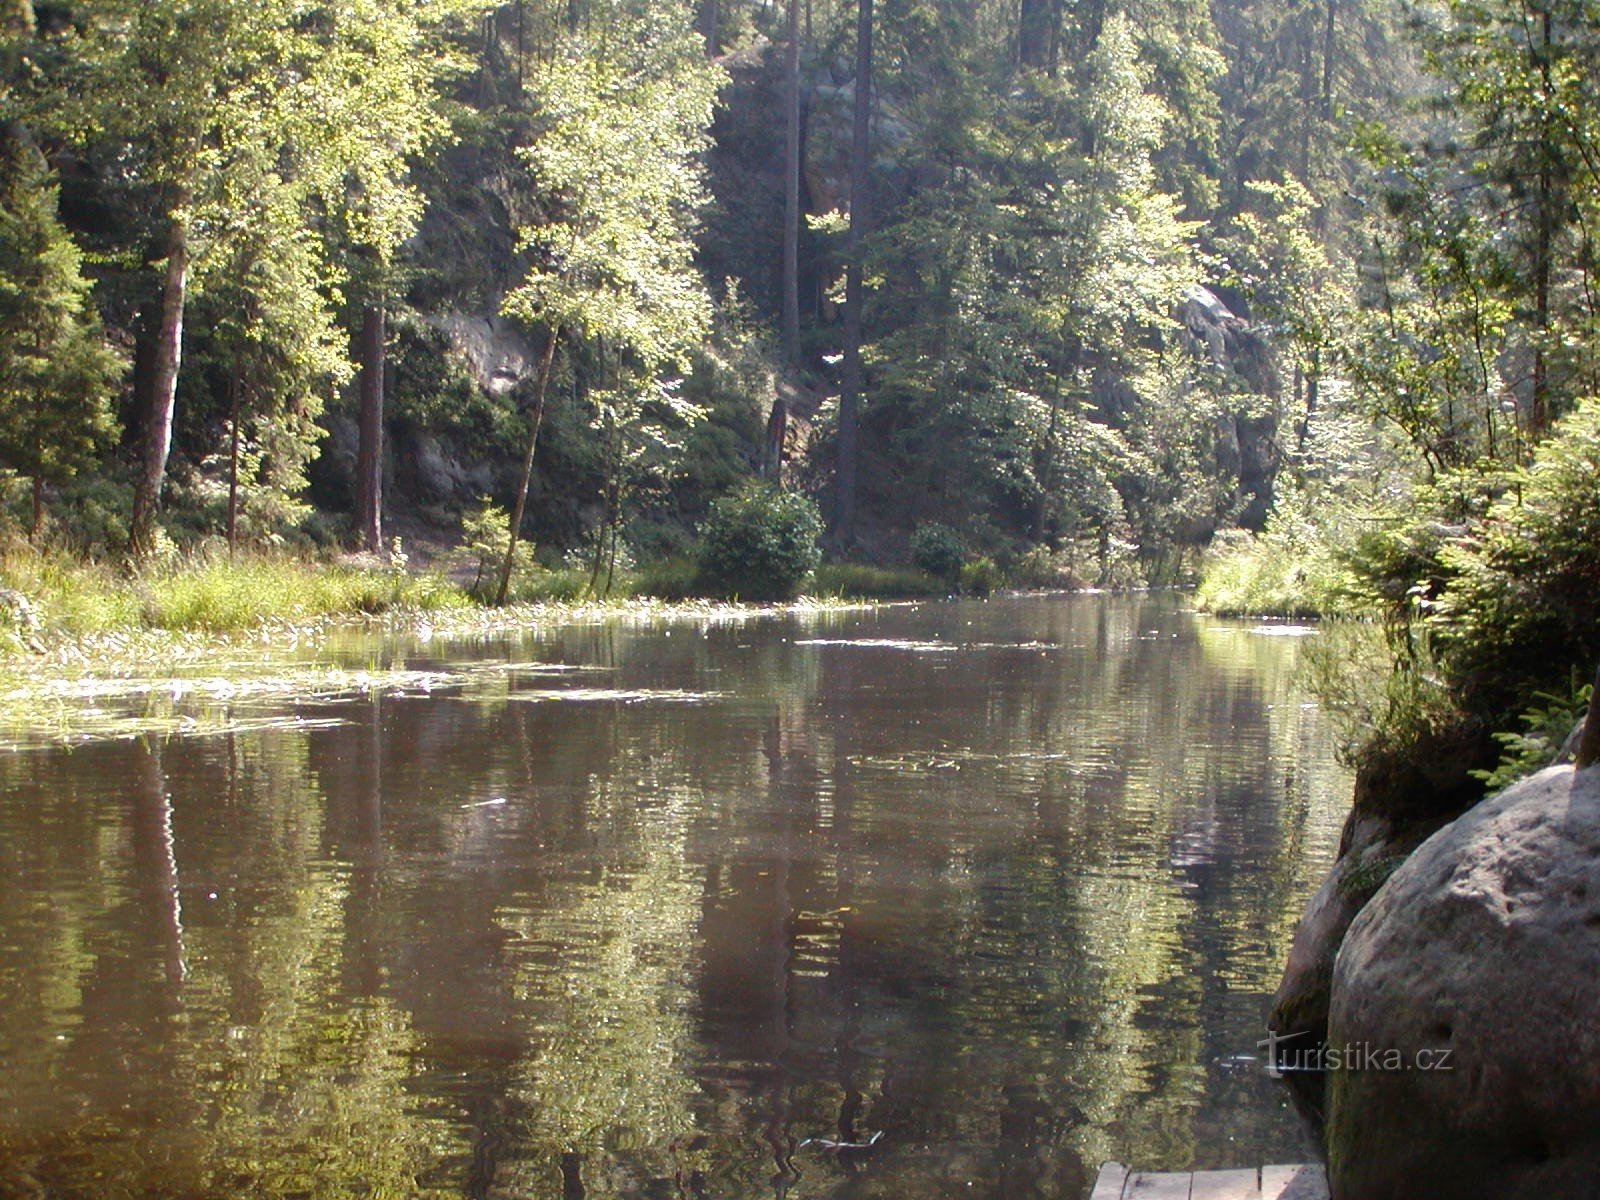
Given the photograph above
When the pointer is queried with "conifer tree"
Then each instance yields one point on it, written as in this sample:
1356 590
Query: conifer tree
57 373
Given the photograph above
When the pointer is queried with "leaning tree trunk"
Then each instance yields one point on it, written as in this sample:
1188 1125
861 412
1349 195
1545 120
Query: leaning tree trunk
535 420
791 190
844 513
163 395
369 451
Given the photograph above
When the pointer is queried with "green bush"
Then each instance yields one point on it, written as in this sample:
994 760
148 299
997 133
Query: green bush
981 576
759 544
1041 567
485 538
1269 576
1522 606
938 550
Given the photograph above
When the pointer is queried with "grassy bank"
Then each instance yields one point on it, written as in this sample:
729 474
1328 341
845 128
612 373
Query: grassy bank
55 598
1266 576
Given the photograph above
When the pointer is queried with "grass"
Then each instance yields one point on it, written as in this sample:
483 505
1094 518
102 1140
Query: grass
66 599
855 581
1265 577
223 597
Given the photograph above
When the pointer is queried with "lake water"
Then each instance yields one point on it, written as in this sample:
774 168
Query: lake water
673 908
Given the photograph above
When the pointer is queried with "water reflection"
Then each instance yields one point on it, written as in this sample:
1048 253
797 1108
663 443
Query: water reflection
923 901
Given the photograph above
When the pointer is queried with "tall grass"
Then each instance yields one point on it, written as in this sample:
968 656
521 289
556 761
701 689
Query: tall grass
1267 577
856 581
217 596
66 597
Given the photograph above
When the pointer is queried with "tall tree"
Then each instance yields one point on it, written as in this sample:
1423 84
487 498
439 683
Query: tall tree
791 187
618 158
844 508
56 371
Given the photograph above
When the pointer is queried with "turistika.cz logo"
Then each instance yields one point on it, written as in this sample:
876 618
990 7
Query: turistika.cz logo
1284 1059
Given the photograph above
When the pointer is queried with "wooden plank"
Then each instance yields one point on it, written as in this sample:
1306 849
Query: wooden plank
1113 1175
1294 1183
1162 1186
1226 1185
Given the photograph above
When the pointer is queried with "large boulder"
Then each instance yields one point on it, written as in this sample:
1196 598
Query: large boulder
1480 959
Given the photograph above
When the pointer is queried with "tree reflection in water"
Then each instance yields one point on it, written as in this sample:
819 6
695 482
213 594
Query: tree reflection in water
1011 908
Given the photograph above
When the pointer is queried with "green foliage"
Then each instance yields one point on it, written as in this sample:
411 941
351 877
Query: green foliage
980 576
1385 697
485 539
56 370
623 126
939 551
1265 575
1546 725
1523 606
760 544
1043 568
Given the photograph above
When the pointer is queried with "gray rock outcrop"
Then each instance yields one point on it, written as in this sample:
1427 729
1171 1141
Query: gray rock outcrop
1480 955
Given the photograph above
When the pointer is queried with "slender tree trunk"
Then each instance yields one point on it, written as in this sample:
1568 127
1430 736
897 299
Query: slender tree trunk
1330 40
163 394
38 510
1047 462
371 352
777 431
706 24
844 515
536 419
791 191
1539 408
235 387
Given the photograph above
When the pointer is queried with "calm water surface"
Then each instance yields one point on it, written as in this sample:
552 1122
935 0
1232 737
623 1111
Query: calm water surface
1001 888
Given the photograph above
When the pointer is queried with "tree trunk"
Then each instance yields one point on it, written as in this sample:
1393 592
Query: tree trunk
706 25
777 431
536 419
1037 25
791 191
38 510
844 513
235 387
163 394
1539 408
1330 36
369 453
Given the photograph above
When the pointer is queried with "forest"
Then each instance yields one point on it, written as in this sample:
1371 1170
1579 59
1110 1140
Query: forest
590 297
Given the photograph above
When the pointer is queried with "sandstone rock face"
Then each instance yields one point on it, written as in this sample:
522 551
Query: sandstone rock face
1485 944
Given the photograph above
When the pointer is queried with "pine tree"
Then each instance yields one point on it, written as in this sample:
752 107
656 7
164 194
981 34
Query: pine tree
56 372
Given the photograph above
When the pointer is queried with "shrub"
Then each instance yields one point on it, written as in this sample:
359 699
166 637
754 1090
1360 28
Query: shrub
1269 576
938 551
759 544
1522 606
485 537
981 576
1041 567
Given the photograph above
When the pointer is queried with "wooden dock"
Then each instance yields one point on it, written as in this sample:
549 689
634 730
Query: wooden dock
1117 1182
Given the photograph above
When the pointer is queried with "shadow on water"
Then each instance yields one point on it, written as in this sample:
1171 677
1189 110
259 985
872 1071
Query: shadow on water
935 900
